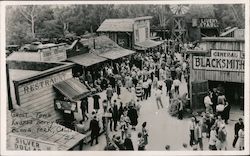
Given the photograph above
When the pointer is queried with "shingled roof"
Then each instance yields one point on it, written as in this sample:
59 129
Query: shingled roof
102 44
120 25
116 25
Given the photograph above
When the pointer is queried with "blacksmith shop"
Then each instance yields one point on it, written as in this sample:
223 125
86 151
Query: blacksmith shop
220 64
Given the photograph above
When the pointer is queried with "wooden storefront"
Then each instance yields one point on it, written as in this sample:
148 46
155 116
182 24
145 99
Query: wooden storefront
221 61
31 85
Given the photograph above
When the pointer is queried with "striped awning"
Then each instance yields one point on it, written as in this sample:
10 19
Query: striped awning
73 89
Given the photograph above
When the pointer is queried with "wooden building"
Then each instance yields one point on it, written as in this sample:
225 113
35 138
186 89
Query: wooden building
220 64
129 33
202 27
100 50
35 87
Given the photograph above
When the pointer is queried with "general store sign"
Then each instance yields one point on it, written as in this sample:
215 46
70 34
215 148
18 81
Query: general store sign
21 143
221 60
209 23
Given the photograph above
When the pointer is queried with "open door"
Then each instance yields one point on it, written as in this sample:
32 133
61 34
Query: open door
199 90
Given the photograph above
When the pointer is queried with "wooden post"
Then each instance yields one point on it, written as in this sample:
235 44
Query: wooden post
10 104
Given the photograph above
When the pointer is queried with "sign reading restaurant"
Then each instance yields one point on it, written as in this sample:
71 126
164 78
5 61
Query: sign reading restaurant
221 60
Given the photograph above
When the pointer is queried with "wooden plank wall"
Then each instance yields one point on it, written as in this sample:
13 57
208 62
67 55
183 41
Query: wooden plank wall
42 100
197 75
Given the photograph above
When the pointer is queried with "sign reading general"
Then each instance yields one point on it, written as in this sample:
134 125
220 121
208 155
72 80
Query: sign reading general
221 60
22 143
209 23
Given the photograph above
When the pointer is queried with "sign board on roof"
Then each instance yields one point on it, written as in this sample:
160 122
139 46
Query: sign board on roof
221 60
56 54
208 23
22 143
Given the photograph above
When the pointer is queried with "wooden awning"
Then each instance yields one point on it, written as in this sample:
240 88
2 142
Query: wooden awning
87 59
73 89
116 53
147 44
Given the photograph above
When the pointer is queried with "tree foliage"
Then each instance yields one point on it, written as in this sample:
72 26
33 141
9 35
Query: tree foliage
25 23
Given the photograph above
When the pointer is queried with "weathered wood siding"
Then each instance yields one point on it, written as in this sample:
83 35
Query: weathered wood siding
213 75
39 95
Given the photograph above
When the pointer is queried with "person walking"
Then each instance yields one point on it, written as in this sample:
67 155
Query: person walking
139 91
226 112
120 111
239 125
149 86
145 86
141 142
180 109
118 88
191 130
213 139
241 138
214 99
96 98
158 94
124 122
176 84
168 83
115 115
84 108
133 116
198 135
95 129
222 138
109 93
145 133
208 103
128 144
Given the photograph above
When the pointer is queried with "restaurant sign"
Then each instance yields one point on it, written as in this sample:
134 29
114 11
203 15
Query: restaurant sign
44 82
21 143
221 60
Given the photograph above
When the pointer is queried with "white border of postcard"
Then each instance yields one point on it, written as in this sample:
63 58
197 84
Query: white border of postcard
132 153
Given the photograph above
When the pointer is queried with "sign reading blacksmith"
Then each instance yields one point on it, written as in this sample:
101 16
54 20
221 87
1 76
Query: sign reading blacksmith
221 60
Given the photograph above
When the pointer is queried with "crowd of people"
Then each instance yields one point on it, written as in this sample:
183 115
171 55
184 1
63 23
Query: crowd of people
144 75
211 124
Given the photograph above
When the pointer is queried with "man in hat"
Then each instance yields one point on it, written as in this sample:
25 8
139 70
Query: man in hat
94 128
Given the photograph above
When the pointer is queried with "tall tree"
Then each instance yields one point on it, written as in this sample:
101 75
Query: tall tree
30 12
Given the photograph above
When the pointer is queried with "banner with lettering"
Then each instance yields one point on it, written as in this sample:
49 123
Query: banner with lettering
221 60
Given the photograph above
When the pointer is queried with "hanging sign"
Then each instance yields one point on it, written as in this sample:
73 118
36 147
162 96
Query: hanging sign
66 106
208 23
221 60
